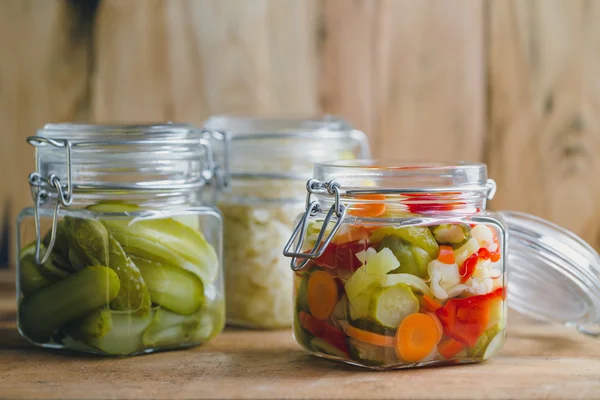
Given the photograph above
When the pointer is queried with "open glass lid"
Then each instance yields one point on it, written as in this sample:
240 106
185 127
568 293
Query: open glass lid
553 274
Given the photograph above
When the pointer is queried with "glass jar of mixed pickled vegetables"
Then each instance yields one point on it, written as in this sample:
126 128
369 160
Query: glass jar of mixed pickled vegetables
270 159
121 252
399 265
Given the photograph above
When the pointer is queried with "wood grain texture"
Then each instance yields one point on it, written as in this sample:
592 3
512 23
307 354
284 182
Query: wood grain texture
538 361
37 85
410 73
191 59
544 134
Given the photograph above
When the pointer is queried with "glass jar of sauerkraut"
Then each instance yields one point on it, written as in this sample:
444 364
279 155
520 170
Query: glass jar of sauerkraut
121 252
400 265
269 160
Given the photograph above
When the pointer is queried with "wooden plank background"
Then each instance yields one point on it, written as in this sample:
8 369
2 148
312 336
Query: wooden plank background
511 83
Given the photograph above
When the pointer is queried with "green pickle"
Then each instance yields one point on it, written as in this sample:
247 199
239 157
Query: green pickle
165 239
88 241
42 313
94 325
413 260
172 287
416 235
133 295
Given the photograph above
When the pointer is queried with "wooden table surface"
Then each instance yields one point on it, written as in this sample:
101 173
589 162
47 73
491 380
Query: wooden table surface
538 361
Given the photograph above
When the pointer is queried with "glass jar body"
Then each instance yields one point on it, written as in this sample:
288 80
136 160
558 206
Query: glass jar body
121 279
270 161
258 285
404 291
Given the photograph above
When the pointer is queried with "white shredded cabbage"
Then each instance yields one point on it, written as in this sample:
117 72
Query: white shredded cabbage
258 279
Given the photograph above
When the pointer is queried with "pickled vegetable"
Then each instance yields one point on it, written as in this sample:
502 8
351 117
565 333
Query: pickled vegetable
451 233
32 276
43 312
172 287
164 239
94 325
95 292
389 306
413 260
170 329
88 240
133 294
414 297
415 235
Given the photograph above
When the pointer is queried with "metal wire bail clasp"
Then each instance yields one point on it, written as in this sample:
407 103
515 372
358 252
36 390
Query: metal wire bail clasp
314 186
40 194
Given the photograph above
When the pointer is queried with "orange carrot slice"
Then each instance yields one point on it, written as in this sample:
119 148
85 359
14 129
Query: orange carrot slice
429 303
375 208
322 294
369 337
449 348
416 337
438 324
446 255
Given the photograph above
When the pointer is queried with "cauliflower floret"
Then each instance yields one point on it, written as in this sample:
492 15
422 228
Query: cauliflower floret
485 237
443 277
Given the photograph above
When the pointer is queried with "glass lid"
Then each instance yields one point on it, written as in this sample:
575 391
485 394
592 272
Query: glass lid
553 274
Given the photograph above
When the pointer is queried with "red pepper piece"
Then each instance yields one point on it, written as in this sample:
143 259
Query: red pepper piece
484 253
322 330
425 202
468 267
342 256
495 257
466 319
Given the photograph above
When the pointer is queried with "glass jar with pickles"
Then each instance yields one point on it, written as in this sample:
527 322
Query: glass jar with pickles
400 265
121 252
270 160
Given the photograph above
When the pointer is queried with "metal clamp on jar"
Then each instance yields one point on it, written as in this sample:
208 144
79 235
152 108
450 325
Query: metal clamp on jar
270 160
120 254
401 266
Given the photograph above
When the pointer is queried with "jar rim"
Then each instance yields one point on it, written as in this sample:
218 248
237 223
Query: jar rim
403 175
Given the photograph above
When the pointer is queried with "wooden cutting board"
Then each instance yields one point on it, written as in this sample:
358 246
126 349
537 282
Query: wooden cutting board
538 361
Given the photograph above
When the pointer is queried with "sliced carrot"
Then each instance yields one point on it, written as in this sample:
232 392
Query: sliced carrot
430 303
369 337
375 208
416 337
449 348
438 324
322 294
446 255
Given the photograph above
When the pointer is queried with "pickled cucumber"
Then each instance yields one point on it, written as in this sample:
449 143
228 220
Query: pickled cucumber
96 324
125 336
416 235
369 325
413 260
361 305
390 305
73 297
172 287
33 277
170 329
88 241
133 294
163 239
452 234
